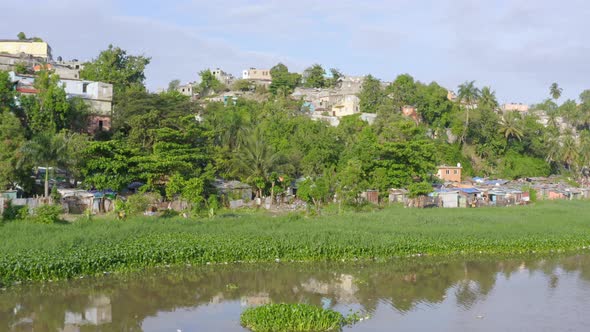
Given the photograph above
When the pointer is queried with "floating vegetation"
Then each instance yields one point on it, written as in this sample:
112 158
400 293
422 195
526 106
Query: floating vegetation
59 251
294 318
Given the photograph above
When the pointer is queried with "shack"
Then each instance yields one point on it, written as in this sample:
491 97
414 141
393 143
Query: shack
468 197
233 190
448 198
398 195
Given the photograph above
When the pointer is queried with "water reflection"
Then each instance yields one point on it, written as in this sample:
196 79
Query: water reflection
127 302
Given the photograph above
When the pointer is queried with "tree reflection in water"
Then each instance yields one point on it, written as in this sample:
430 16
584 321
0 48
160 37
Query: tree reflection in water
122 302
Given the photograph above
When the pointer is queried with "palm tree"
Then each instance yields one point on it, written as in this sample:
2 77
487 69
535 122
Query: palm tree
256 160
569 151
555 91
46 149
585 148
488 98
468 96
553 150
510 126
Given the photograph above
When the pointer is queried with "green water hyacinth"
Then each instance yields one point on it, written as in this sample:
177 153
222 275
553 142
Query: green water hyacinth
293 318
30 251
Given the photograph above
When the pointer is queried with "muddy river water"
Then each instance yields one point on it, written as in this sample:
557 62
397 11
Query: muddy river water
490 294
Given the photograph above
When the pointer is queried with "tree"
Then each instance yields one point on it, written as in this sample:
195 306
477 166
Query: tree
488 98
313 77
243 85
283 82
403 91
570 151
350 182
78 115
49 109
21 36
7 93
555 91
467 97
433 105
256 160
371 95
315 191
113 65
510 126
336 75
173 85
109 165
44 149
12 138
209 83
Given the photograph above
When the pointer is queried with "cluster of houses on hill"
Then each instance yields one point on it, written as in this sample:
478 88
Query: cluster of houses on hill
35 55
476 191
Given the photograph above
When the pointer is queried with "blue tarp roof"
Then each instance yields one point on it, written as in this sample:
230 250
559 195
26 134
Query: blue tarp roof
496 182
469 190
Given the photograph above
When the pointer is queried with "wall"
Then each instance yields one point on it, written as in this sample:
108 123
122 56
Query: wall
98 95
348 106
257 74
36 49
515 107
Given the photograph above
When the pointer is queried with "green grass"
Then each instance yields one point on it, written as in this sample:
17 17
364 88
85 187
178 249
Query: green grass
47 252
292 318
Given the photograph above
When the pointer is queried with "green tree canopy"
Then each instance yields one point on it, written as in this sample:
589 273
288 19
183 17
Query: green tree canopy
314 77
283 82
371 95
113 65
209 83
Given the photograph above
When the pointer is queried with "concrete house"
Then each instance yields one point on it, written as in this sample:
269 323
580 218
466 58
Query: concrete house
223 77
258 76
515 107
449 173
38 49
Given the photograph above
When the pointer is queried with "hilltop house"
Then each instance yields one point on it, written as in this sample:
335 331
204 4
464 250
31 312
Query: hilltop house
223 77
32 47
257 76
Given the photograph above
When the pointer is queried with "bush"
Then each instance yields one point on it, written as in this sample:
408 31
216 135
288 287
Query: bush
14 212
46 214
419 189
293 317
139 203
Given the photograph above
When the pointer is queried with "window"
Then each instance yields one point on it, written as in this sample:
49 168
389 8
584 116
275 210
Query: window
455 172
100 125
84 87
448 171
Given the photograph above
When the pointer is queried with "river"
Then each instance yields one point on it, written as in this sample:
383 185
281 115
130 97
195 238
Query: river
526 294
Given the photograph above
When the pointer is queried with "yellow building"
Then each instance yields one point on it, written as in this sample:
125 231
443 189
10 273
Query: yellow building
38 49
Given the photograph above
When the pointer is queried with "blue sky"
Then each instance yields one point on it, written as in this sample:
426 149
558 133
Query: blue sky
517 47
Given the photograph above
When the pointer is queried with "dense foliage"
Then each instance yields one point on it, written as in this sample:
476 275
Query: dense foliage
166 141
57 251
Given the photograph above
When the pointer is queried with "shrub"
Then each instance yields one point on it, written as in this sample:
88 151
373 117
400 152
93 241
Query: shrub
139 203
46 214
14 212
293 317
419 189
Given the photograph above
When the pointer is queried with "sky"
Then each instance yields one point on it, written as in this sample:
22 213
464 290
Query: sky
518 47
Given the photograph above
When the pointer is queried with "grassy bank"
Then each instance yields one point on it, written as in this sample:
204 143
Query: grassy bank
42 252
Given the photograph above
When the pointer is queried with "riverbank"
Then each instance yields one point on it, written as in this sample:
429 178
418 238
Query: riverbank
47 252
